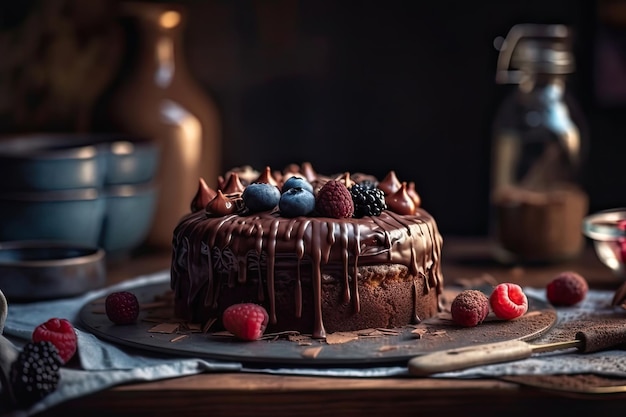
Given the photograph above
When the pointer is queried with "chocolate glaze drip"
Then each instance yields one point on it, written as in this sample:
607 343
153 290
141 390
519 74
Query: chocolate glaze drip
235 244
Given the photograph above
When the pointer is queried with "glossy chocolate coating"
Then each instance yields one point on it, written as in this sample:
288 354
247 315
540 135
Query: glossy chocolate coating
233 246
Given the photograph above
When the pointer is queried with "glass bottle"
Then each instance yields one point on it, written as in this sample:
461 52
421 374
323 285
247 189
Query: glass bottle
539 144
159 99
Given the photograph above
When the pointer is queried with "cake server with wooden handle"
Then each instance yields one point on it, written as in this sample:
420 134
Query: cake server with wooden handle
590 340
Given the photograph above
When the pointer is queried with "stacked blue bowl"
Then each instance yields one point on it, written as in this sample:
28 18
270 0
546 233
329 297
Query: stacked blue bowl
93 190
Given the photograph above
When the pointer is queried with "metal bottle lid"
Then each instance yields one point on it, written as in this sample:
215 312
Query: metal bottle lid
534 48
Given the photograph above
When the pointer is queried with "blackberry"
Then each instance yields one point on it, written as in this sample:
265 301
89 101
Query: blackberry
368 184
36 372
368 200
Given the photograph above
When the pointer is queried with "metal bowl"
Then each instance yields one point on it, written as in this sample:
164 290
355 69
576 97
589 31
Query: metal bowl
38 270
607 231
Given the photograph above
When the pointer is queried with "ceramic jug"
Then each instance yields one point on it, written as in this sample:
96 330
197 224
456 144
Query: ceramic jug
160 100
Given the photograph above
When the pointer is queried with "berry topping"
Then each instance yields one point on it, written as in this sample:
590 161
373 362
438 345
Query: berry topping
36 372
260 196
508 301
566 289
368 200
469 308
334 200
122 307
247 321
296 202
61 333
295 181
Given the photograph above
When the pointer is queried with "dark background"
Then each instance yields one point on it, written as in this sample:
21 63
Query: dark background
373 86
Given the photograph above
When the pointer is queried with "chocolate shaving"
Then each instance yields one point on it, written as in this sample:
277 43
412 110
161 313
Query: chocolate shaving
418 333
312 353
387 348
164 328
341 337
208 325
177 338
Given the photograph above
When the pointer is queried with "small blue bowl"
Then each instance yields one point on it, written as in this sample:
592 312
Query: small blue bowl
66 215
45 162
49 162
37 270
129 211
129 160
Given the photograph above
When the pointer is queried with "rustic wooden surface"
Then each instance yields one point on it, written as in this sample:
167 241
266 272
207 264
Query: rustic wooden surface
239 394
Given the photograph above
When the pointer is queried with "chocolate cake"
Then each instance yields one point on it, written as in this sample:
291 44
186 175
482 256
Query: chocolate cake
313 273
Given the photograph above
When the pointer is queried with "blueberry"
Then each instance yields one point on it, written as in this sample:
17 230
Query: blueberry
296 202
260 196
293 182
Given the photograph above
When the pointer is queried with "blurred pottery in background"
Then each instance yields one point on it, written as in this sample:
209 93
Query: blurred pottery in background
67 215
129 161
95 190
128 215
41 162
159 99
31 270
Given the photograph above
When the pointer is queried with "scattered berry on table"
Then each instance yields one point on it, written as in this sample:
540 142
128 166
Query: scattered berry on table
247 321
35 373
296 202
260 196
566 289
469 308
508 301
122 307
334 200
294 181
61 333
368 200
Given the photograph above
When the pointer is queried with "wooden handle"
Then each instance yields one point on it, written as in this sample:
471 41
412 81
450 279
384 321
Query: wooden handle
601 338
467 357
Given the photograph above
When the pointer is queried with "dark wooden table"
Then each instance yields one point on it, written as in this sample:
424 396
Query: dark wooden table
245 394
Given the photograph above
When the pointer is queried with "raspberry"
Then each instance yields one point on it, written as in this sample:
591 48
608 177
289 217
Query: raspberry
469 308
36 372
334 200
122 307
61 333
566 289
247 321
508 301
